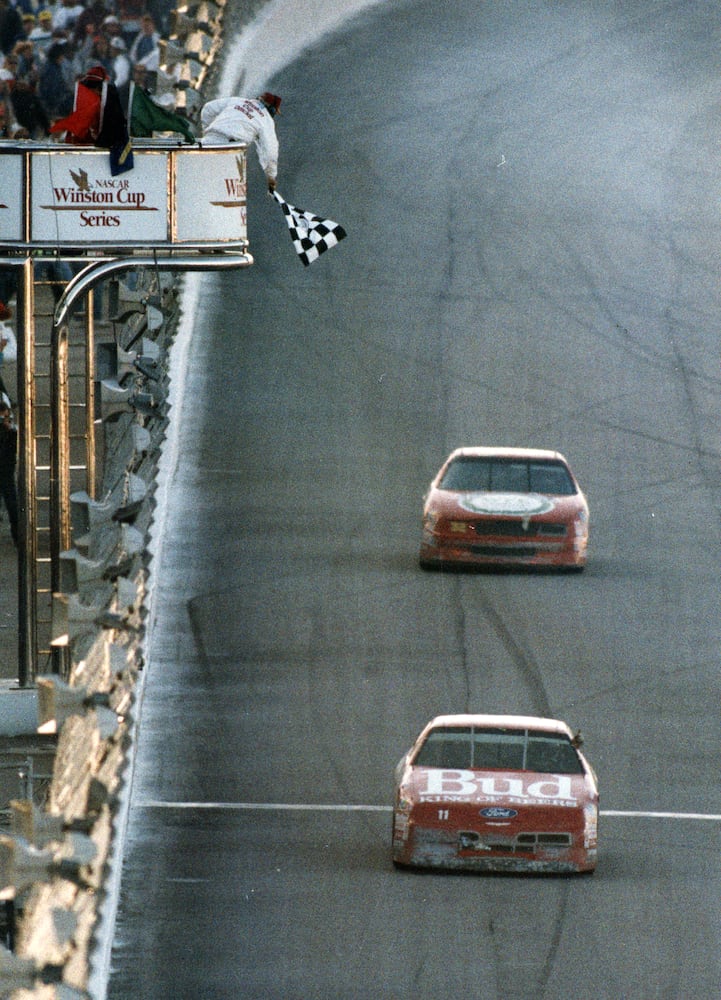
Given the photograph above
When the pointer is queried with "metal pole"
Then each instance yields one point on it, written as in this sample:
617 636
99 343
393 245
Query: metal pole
27 514
90 470
59 471
26 780
97 270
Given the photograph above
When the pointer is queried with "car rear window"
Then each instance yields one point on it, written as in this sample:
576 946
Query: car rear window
468 748
469 473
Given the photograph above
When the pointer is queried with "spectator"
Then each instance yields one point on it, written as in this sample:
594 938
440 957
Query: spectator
53 6
95 52
66 15
8 291
146 45
42 33
8 69
69 66
89 22
27 106
28 22
82 54
24 52
111 27
53 89
26 6
8 343
8 285
10 128
120 69
11 26
130 12
8 459
141 77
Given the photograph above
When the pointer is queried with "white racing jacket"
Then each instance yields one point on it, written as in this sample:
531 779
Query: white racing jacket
242 119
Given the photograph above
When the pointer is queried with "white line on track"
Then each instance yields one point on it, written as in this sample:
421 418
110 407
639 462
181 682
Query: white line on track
349 807
715 817
268 806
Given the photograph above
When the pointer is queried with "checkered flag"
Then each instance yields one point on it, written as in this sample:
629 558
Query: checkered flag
311 235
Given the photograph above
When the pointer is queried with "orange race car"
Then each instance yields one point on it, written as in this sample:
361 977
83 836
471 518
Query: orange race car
504 506
496 793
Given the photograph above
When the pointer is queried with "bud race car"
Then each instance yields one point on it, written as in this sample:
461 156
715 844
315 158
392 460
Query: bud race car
501 506
496 793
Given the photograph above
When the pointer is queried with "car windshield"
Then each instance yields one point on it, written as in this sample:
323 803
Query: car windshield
468 748
470 473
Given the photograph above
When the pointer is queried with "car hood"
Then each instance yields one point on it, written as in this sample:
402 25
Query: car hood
505 504
496 788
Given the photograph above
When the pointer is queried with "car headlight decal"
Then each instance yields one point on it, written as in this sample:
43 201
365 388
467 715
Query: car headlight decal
590 824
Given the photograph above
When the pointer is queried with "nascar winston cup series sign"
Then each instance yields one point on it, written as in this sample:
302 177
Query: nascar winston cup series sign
172 196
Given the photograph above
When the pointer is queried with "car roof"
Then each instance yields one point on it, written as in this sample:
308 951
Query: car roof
501 722
544 454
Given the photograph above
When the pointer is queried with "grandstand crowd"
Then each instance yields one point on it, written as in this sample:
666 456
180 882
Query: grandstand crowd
46 48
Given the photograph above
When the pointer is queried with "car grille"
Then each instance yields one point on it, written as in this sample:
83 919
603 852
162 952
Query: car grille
520 551
514 528
532 840
470 840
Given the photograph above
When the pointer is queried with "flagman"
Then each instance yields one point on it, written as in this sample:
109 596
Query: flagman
246 120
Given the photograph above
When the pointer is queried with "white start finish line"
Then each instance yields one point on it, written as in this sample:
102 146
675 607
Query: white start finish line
350 807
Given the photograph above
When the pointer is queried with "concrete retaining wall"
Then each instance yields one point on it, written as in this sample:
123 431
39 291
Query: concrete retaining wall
106 572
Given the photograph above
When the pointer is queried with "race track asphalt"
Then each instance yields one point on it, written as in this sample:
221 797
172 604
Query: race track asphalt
530 193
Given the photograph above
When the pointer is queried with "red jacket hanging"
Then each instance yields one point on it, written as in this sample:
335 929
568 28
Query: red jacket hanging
98 120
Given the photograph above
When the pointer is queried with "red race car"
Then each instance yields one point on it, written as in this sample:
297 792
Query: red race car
505 506
496 793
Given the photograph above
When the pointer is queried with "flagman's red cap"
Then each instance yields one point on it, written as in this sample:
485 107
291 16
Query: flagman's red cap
272 100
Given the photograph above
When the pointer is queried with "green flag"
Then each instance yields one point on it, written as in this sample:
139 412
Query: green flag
146 117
